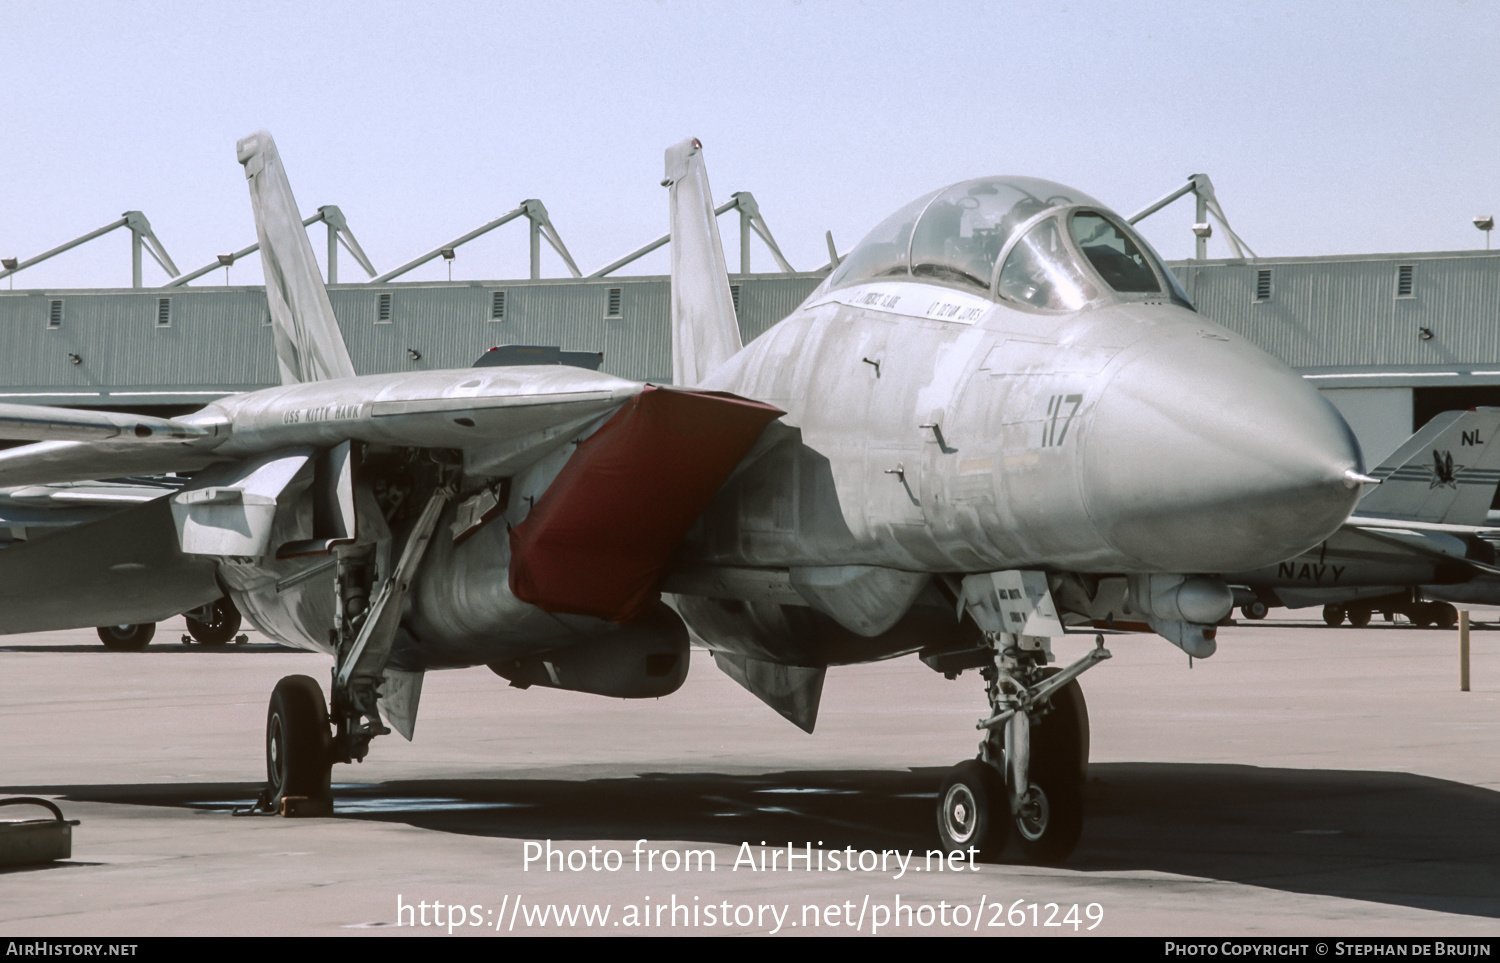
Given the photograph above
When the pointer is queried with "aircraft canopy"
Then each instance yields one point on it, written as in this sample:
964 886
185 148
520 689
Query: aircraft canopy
989 235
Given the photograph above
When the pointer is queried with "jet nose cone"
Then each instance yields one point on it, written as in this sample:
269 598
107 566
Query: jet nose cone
1207 455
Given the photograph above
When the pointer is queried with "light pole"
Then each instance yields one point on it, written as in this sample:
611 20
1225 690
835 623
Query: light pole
1486 223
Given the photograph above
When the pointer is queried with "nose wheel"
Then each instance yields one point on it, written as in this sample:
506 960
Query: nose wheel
1049 814
1028 783
972 811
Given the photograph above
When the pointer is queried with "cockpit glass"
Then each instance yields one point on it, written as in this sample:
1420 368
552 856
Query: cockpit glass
953 236
1040 271
1114 255
883 252
1174 287
963 231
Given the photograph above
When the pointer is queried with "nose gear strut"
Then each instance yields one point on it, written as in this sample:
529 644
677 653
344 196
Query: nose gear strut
1036 738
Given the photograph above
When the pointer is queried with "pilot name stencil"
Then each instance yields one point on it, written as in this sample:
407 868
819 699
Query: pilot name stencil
877 299
947 311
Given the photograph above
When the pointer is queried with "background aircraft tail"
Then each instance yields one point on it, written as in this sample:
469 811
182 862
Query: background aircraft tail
309 346
1445 473
705 331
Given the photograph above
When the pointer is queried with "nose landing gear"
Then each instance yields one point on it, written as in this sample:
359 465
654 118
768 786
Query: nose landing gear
972 811
1030 772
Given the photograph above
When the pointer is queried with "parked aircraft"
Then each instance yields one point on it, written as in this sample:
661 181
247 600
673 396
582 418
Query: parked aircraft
999 419
1424 526
33 511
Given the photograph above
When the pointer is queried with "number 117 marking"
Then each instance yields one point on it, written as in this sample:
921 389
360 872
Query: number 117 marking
1051 436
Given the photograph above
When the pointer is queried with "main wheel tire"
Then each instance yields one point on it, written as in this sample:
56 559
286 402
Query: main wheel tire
1445 615
299 759
972 812
1421 615
127 638
220 625
1333 615
1051 817
1359 618
1254 610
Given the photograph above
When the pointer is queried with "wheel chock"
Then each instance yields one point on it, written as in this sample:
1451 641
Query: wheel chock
27 841
295 806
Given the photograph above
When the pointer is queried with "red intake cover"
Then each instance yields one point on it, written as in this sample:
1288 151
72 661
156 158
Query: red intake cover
599 540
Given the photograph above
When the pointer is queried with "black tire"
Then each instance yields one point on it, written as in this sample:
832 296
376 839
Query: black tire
127 638
221 625
972 811
299 755
1254 610
1359 618
1051 820
1421 615
1445 616
1333 615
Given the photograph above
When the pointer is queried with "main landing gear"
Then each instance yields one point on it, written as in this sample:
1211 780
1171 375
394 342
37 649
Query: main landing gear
304 735
127 638
213 624
1028 780
299 756
1421 614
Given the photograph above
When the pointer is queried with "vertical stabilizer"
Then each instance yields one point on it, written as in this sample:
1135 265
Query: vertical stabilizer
1445 473
705 332
308 344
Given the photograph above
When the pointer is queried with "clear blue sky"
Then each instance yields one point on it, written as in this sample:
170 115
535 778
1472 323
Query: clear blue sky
1327 127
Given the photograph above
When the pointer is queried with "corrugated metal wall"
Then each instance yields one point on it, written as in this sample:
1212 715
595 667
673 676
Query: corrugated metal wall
1326 314
218 339
1323 315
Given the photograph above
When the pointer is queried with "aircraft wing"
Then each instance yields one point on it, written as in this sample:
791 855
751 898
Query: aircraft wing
1427 543
40 423
1376 521
468 409
506 416
64 461
79 445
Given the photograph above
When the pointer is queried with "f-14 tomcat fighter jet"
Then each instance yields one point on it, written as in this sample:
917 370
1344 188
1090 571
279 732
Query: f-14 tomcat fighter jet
998 420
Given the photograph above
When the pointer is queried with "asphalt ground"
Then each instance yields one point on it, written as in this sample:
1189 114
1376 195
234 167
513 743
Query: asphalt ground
1303 781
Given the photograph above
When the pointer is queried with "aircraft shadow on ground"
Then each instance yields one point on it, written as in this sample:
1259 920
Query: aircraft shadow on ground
155 648
1384 837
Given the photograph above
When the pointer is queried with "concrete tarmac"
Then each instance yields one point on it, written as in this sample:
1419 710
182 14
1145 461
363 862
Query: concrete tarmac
1303 781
